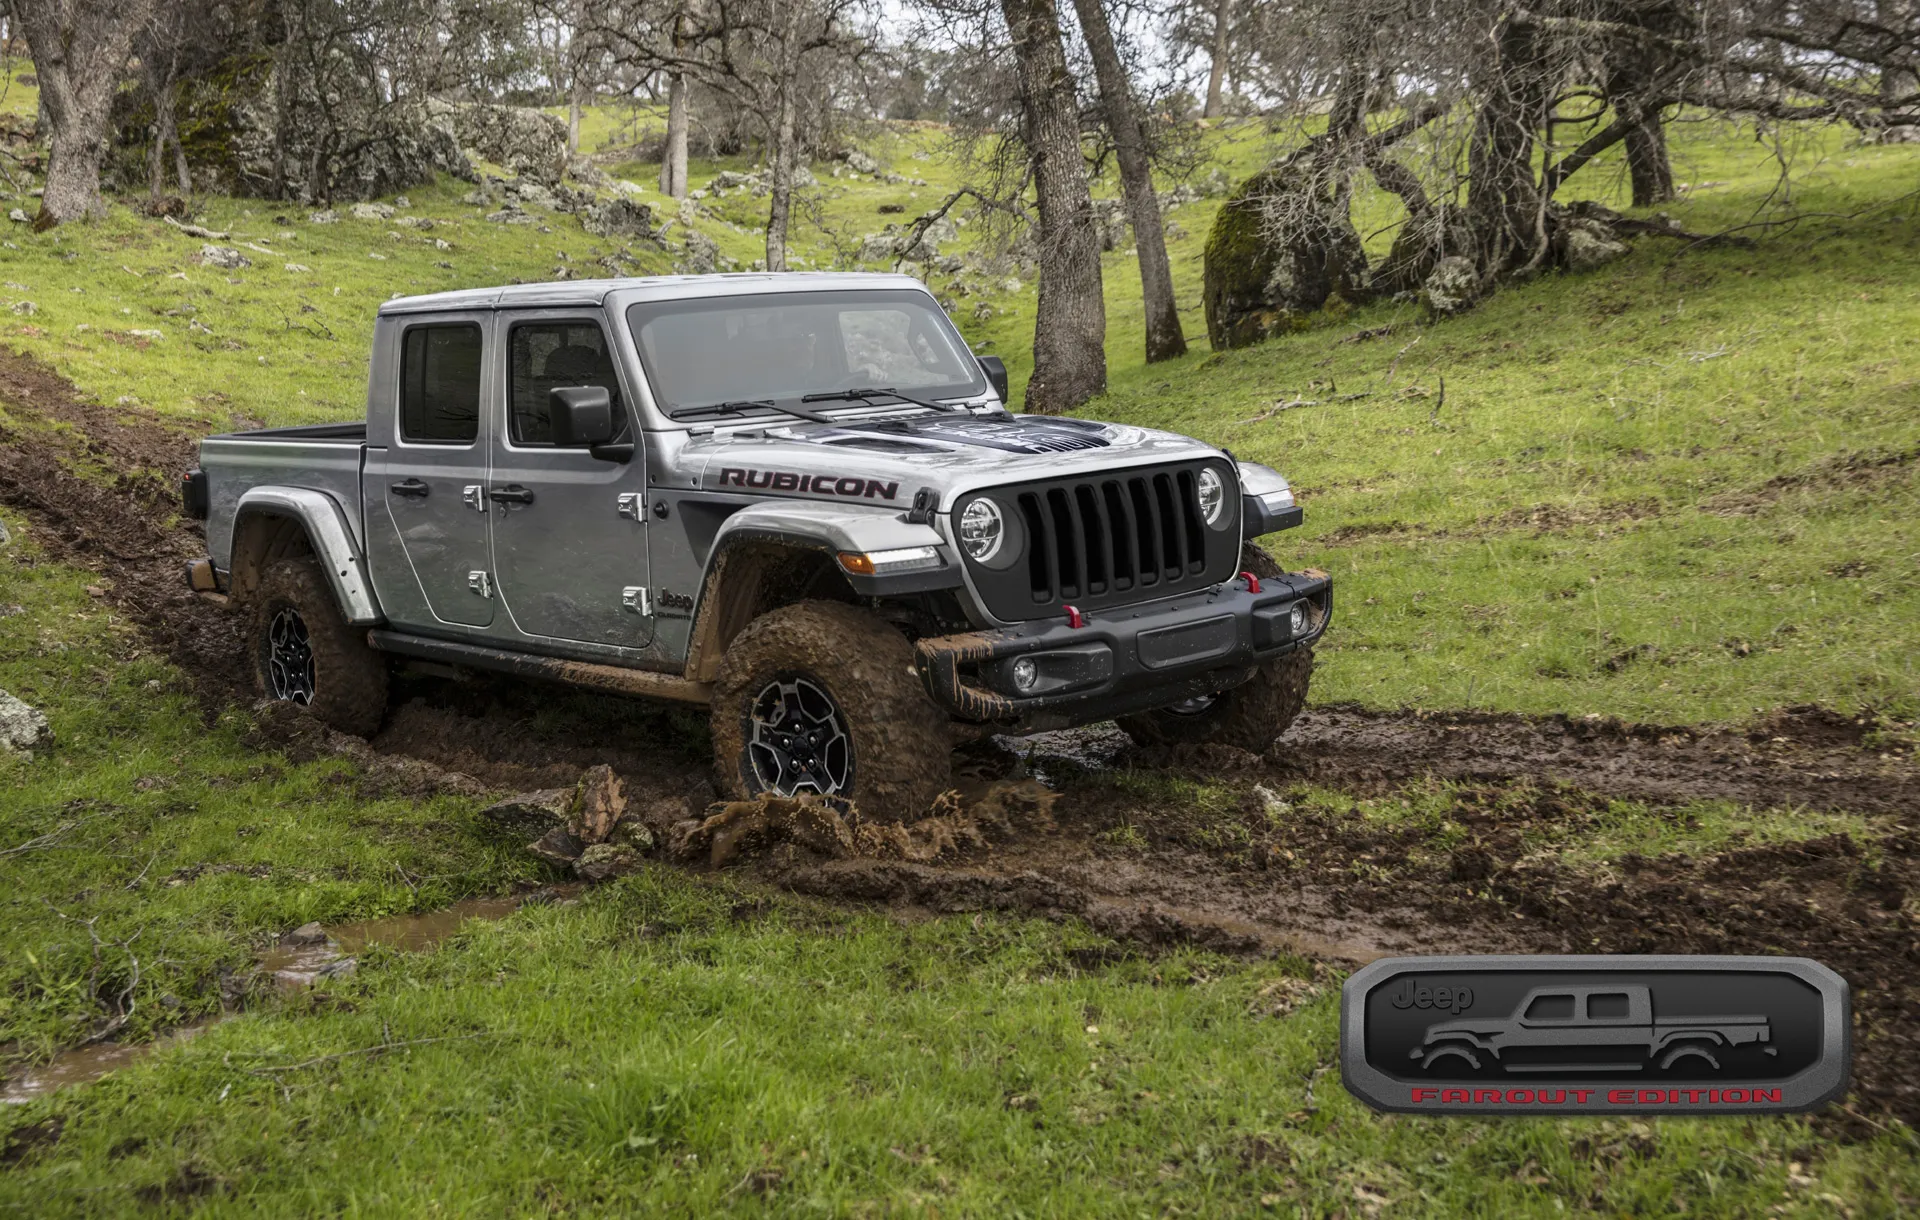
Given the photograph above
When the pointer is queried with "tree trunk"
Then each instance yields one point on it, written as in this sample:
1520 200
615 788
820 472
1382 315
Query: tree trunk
573 123
1217 70
1504 206
1164 337
1647 163
80 53
1070 323
673 161
164 132
780 167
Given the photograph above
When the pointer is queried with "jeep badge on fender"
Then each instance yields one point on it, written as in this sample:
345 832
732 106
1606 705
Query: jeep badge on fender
1595 1035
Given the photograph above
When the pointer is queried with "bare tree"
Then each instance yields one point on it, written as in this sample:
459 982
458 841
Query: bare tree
1164 337
1070 325
1217 61
80 50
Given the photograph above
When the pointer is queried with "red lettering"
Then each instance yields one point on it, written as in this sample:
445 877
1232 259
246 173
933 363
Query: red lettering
1652 1097
1620 1097
1459 1095
850 487
759 478
1580 1096
882 491
1713 1095
1764 1095
1693 1096
1734 1095
1559 1097
1486 1097
1422 1093
736 477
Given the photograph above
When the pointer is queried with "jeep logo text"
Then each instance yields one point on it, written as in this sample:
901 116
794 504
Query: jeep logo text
1452 999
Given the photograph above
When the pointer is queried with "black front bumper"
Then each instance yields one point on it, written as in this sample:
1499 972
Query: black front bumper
1125 659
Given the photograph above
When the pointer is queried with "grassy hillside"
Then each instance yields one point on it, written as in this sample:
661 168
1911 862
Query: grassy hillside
1679 488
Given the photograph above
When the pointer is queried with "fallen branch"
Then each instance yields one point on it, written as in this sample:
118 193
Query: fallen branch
1276 408
205 234
48 839
383 1045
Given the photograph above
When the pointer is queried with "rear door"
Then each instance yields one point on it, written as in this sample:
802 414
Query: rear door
569 529
436 469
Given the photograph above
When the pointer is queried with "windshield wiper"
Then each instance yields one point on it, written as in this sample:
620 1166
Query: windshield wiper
867 395
736 406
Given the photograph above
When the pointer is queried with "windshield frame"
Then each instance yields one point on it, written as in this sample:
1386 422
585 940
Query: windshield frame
636 314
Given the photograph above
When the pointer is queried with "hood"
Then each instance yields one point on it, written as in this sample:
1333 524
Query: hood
893 459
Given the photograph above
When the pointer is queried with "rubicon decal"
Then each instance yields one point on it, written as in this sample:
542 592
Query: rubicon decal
1595 1035
846 486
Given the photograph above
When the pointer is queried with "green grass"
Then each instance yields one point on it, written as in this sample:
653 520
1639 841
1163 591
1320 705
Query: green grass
1662 490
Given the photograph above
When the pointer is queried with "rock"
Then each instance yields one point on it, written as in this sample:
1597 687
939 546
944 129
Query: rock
522 140
890 209
557 846
728 180
619 217
401 201
224 256
17 216
371 211
323 218
1280 249
635 834
5 538
860 163
296 268
702 252
1418 247
305 934
414 222
1586 250
23 728
1452 286
535 194
25 309
532 813
603 861
512 215
601 803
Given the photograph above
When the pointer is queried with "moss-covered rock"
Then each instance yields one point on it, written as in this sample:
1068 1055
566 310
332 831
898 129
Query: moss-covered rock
1280 248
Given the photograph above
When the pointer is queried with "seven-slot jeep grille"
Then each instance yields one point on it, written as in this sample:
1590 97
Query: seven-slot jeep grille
1107 540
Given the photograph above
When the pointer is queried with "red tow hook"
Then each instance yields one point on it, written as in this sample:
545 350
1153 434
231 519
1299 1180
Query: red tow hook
1253 582
1074 617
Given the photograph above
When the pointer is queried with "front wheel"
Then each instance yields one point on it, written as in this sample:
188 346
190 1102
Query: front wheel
821 697
305 653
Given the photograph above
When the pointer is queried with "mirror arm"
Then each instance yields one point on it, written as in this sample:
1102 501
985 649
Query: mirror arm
610 451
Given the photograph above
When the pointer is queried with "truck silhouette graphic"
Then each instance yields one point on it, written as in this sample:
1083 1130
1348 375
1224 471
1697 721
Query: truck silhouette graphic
1608 1027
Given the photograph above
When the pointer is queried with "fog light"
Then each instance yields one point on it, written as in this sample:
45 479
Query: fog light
1025 674
1297 618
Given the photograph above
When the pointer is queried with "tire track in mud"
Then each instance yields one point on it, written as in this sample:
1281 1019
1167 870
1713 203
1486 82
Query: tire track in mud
1344 891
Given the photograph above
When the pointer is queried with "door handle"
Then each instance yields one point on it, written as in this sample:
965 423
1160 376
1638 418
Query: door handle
409 487
512 493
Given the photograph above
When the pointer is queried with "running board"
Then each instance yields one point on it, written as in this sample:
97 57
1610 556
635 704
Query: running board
588 675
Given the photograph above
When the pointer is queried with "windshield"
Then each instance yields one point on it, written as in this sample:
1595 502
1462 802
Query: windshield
778 347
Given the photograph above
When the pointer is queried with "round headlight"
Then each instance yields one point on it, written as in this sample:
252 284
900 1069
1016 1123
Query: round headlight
1213 496
1297 618
1025 674
982 531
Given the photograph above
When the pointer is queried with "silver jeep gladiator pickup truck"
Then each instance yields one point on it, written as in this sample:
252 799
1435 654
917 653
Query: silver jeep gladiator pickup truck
796 499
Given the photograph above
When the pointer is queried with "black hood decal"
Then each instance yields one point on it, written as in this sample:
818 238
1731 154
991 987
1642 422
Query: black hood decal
1015 434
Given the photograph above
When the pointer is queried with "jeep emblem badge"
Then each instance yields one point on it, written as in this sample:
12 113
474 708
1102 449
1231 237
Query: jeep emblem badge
1595 1035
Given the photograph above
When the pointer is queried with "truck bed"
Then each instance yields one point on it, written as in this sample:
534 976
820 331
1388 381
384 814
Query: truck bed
322 457
351 432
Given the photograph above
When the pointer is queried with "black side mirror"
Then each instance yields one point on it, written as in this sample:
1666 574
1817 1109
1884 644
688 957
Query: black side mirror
582 416
996 371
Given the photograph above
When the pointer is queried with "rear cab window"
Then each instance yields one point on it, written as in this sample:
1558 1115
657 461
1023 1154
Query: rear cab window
440 371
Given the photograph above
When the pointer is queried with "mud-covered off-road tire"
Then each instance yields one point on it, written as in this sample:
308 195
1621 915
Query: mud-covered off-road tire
348 680
900 749
1251 716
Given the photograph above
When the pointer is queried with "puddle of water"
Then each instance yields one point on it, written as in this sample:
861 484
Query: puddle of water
86 1063
297 966
291 966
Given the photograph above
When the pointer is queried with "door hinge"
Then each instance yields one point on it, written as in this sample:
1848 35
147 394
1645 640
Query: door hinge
638 599
480 582
471 497
632 505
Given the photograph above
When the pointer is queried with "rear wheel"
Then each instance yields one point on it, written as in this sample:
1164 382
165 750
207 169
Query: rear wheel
822 697
306 654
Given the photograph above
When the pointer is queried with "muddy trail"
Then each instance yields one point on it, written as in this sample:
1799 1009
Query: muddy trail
1269 873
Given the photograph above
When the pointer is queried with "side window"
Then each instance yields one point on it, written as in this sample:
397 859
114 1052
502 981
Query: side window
1611 1006
1551 1008
440 384
546 356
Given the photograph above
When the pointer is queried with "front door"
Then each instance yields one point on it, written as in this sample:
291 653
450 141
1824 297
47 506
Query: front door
569 529
435 473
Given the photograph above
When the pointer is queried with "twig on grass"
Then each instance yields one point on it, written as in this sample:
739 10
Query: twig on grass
49 839
382 1046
